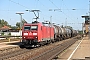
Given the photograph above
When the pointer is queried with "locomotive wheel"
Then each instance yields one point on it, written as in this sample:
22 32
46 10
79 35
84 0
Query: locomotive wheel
22 46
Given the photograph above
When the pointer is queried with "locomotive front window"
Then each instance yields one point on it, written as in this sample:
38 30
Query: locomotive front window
33 28
27 28
30 27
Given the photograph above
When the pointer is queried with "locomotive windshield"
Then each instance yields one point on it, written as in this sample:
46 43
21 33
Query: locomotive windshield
26 27
30 27
33 28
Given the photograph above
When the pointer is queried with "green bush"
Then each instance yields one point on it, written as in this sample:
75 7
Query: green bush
2 33
9 34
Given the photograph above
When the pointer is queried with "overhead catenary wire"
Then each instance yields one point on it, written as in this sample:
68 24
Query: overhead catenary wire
19 4
42 4
25 6
60 9
67 8
54 4
36 4
72 14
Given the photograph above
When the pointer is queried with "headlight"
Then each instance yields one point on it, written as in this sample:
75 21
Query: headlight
25 33
35 37
34 33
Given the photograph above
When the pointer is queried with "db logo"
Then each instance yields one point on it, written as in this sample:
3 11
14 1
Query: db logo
30 33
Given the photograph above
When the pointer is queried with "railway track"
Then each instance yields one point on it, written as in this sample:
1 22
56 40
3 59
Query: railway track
50 54
42 53
9 38
8 53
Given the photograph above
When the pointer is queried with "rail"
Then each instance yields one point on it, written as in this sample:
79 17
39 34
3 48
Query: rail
48 55
9 36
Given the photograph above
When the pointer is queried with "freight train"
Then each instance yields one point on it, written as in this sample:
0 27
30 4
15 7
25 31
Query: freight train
37 34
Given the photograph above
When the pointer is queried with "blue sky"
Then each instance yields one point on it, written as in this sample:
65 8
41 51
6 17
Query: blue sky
65 16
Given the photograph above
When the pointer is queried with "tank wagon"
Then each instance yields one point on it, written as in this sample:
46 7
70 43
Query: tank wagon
36 33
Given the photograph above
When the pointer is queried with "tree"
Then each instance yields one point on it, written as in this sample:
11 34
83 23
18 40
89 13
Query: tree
3 22
18 23
69 27
23 21
6 23
14 27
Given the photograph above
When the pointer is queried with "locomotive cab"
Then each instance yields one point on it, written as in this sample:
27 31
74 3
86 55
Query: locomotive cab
36 34
31 34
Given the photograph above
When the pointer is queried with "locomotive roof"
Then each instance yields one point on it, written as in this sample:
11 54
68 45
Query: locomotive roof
37 24
31 23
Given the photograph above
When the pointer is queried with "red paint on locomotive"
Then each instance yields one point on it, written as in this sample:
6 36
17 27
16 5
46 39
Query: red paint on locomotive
37 32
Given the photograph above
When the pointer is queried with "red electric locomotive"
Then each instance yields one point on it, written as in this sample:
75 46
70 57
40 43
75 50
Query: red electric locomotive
36 33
